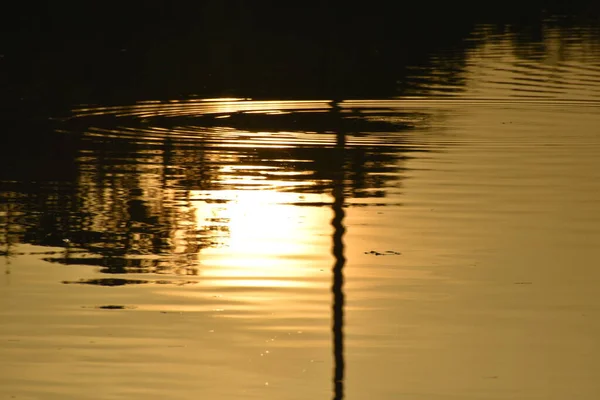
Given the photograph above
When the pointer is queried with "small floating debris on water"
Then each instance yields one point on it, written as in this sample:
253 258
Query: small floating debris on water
121 282
106 282
523 283
115 307
385 253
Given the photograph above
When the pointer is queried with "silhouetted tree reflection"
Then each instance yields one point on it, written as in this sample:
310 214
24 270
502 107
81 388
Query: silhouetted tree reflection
122 187
132 202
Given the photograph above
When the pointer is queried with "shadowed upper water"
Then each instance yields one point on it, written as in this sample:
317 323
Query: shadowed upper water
442 244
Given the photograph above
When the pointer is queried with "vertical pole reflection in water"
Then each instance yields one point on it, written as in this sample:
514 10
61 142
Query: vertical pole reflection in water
340 260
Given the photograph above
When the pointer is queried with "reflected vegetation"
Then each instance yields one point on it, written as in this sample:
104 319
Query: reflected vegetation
149 199
270 50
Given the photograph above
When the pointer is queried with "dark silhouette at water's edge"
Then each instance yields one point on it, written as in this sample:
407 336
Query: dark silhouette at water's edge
59 55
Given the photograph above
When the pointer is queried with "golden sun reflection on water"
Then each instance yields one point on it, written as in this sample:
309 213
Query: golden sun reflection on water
269 238
269 247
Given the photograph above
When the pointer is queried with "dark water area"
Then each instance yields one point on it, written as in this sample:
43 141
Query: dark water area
59 55
240 199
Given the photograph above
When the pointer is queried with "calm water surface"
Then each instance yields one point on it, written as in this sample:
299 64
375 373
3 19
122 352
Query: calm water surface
440 245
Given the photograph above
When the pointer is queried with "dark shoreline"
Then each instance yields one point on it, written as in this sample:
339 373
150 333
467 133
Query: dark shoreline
59 56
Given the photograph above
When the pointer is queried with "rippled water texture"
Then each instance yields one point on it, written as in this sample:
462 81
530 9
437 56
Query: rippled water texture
440 245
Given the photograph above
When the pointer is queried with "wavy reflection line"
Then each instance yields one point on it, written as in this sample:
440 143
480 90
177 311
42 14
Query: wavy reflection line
338 275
